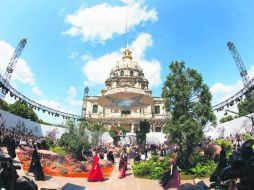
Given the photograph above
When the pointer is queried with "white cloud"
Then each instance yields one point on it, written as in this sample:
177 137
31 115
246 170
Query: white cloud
73 55
251 72
222 91
86 57
152 70
37 91
22 71
73 102
143 41
72 91
97 70
102 21
71 98
53 104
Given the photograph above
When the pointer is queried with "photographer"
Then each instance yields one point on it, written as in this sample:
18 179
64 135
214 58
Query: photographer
241 167
8 174
9 179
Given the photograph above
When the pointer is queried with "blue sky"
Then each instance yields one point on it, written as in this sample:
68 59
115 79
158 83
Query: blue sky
72 44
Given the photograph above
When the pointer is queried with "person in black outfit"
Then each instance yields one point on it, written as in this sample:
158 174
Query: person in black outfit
110 156
35 166
137 157
11 146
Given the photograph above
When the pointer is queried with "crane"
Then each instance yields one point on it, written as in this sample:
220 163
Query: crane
239 63
10 67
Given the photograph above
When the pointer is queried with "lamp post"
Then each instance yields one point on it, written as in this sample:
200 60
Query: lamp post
252 118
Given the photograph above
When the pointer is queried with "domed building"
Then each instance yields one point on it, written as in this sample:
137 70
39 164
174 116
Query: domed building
126 99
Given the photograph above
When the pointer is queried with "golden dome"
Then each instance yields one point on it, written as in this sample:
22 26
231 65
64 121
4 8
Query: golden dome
126 62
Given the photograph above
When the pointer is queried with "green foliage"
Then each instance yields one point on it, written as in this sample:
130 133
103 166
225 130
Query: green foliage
58 150
152 169
247 136
122 129
4 105
97 130
187 99
73 141
144 128
227 144
23 110
226 118
201 165
43 122
224 142
114 135
63 171
204 169
246 106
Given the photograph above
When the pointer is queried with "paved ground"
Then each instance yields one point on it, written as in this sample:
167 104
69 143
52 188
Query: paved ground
113 183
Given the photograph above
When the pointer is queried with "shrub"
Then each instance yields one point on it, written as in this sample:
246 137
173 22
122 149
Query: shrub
228 144
152 169
226 119
76 170
58 150
53 166
202 165
25 158
63 171
247 136
203 169
225 142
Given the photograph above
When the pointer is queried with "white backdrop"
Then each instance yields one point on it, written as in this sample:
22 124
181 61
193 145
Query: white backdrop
11 121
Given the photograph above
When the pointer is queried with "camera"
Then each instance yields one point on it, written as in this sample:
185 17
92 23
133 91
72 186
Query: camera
9 179
241 166
8 174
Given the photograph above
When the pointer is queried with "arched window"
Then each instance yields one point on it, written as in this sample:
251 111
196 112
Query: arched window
131 73
122 73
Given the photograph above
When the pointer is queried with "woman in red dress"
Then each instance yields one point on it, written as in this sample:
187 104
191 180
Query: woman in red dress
95 173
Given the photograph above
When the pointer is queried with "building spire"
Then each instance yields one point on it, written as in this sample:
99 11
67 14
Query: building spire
126 24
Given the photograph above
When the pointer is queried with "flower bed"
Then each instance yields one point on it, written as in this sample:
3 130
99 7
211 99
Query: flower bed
62 166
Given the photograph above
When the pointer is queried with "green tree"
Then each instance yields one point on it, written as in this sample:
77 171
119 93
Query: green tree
141 131
117 132
113 133
97 130
74 141
4 106
226 118
187 99
246 107
23 110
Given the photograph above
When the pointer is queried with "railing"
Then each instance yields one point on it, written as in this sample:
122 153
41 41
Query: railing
6 87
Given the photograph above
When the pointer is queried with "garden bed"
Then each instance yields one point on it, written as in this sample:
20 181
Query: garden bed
63 166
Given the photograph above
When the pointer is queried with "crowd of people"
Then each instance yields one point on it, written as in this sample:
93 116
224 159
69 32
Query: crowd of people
12 138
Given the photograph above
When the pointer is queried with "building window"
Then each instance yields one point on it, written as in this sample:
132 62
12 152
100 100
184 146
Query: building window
122 73
157 110
131 73
157 129
126 112
95 108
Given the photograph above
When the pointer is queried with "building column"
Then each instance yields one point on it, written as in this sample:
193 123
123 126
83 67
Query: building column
151 128
109 127
132 127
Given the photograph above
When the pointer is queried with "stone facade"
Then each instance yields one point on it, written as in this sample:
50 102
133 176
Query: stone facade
126 77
